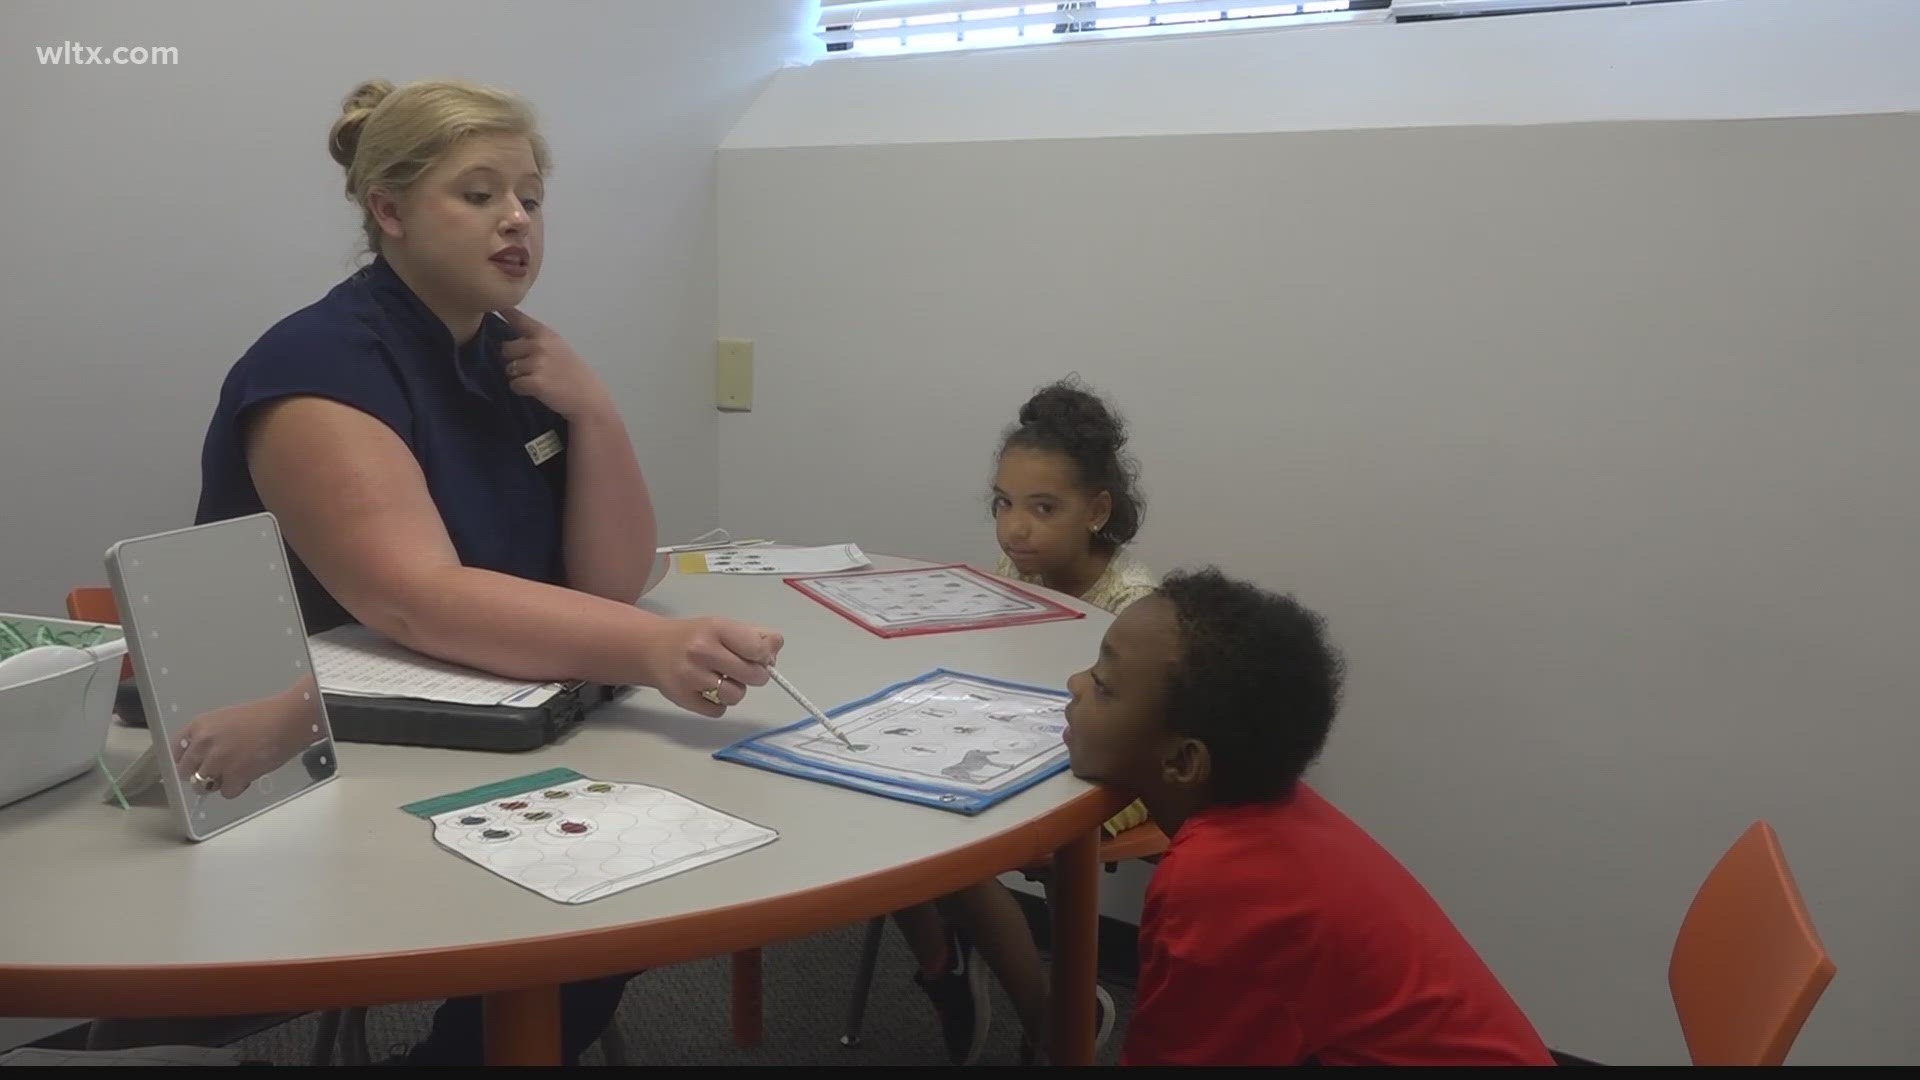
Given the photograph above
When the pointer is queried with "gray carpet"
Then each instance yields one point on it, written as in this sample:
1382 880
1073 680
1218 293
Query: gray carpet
681 1015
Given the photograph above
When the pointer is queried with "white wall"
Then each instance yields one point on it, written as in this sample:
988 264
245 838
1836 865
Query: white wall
1601 462
161 218
1702 59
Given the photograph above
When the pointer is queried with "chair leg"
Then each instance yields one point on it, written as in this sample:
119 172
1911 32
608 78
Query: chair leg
863 982
325 1038
353 1038
746 998
97 1037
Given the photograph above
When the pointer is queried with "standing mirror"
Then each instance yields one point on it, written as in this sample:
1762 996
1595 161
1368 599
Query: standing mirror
220 656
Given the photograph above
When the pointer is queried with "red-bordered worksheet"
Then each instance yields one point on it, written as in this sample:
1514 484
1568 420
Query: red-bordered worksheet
930 600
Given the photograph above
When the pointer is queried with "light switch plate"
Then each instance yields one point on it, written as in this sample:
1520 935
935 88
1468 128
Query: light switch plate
733 376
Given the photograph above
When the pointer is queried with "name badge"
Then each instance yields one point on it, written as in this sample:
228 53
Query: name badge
542 449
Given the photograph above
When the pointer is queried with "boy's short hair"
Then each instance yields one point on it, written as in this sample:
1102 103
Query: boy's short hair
1256 680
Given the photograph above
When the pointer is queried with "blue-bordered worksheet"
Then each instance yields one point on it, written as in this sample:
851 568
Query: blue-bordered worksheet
946 739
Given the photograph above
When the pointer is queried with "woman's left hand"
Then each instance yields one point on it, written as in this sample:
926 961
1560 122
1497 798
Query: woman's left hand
541 365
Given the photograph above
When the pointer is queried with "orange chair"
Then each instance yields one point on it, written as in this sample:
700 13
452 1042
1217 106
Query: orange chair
96 604
1747 965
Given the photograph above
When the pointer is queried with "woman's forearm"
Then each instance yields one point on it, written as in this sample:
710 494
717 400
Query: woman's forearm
521 629
610 532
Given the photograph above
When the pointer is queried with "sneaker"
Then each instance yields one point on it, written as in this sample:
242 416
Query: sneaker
1031 1052
960 997
1103 1019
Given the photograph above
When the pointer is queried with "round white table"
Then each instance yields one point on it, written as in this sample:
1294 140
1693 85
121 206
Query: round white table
339 898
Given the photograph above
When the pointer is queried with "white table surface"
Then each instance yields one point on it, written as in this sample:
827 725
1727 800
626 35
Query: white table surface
342 871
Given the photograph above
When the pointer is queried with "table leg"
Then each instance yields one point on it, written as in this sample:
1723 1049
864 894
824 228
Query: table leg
522 1026
746 997
1075 902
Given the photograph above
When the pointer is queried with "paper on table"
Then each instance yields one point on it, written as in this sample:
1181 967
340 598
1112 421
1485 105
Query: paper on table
714 545
354 661
574 839
774 560
947 740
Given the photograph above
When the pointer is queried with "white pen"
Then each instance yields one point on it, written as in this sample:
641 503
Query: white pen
808 705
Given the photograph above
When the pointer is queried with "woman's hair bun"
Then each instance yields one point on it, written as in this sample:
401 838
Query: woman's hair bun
344 139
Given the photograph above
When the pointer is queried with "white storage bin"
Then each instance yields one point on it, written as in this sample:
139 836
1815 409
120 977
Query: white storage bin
53 724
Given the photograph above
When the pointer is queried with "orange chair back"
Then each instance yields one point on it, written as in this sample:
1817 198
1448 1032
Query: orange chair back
94 603
1747 965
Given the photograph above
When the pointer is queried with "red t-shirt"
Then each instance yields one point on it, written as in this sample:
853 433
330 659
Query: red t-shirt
1275 933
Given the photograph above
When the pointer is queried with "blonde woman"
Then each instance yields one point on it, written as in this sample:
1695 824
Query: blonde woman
446 469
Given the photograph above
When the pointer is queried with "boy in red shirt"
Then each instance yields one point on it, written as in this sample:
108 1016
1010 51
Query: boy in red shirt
1275 931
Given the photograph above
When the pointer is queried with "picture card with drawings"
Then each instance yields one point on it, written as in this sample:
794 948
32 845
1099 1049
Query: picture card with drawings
573 838
946 739
930 600
774 560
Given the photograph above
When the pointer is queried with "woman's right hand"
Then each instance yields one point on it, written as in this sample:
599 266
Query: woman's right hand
697 655
231 747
